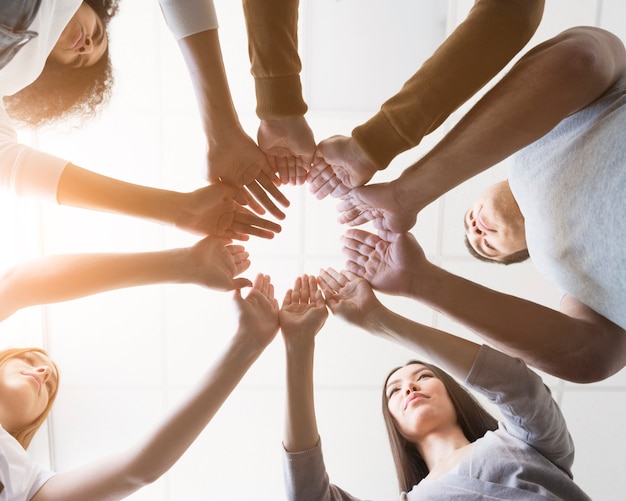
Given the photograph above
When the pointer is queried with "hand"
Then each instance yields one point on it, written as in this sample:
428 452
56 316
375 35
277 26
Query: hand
240 162
258 312
380 203
216 210
348 164
389 262
348 296
288 144
213 263
303 312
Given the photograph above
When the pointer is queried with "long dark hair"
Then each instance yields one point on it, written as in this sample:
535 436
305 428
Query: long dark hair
473 419
61 92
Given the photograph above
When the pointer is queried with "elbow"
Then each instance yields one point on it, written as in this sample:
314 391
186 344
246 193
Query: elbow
590 56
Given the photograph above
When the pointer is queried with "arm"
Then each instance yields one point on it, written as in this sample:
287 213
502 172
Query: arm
575 344
211 263
554 80
283 135
352 298
491 35
302 315
125 473
212 210
233 156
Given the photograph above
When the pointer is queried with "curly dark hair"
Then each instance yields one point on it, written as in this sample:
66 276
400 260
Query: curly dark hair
62 92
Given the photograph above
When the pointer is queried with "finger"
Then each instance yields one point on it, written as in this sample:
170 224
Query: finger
287 300
355 268
329 276
355 256
241 266
270 186
282 167
361 237
305 294
259 194
252 203
239 283
297 290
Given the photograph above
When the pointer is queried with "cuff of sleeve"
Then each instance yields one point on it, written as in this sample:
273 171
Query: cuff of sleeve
279 97
186 18
378 139
34 182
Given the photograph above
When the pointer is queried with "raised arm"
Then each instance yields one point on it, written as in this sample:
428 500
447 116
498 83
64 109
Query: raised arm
576 343
491 35
352 298
121 475
302 315
555 79
212 263
233 157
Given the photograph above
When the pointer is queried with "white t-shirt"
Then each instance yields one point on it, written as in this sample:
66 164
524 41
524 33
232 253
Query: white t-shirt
20 477
25 171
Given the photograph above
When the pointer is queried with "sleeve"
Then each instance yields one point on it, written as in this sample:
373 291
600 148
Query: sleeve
188 17
530 412
306 477
25 171
275 63
493 32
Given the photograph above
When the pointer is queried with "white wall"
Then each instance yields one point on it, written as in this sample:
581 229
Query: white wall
127 356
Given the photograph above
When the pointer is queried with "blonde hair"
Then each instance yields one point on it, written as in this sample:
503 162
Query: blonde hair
26 433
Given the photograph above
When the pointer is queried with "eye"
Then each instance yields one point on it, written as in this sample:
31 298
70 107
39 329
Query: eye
392 392
424 375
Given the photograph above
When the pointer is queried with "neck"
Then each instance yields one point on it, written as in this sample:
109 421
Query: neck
438 447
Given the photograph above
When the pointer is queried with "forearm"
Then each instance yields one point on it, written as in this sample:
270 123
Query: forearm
85 189
123 474
64 277
301 431
203 57
455 354
492 33
275 63
544 338
554 80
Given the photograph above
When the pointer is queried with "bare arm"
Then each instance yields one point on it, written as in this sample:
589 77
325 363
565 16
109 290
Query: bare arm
233 156
352 298
576 343
211 263
121 475
211 210
552 81
302 315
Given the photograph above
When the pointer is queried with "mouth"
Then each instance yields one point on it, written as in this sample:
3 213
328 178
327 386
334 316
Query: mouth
37 380
481 224
412 398
78 41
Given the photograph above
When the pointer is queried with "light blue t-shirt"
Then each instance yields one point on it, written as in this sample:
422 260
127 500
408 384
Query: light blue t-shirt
571 188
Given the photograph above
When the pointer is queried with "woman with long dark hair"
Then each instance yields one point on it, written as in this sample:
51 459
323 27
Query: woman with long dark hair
444 444
54 64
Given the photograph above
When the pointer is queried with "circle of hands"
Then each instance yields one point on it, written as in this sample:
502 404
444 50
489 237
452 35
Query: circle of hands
244 184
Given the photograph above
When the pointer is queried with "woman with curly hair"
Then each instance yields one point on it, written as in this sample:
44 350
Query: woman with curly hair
54 64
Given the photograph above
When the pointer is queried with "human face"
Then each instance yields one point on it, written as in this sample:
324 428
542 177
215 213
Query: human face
419 403
26 385
494 226
83 41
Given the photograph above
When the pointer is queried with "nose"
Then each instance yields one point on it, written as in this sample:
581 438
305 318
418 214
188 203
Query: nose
411 387
44 372
87 47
